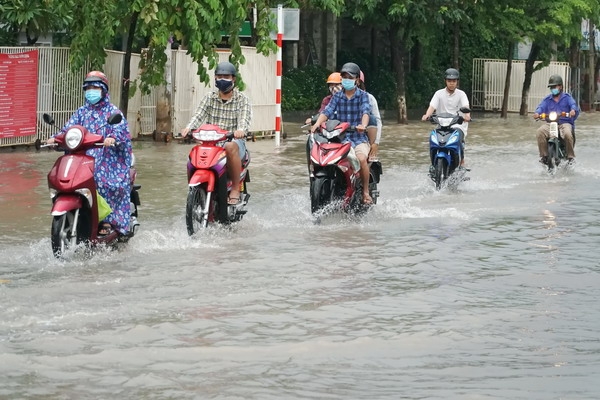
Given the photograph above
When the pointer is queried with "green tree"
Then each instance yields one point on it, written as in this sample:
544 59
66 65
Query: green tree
34 17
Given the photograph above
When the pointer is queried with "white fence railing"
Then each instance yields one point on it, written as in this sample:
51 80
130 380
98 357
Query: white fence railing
60 94
489 76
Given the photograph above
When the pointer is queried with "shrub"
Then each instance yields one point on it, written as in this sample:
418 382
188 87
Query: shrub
303 88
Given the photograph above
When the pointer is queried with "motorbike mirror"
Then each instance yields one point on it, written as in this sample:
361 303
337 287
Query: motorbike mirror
115 118
48 119
465 110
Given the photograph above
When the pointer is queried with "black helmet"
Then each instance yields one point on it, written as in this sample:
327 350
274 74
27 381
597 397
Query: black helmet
351 68
225 68
451 73
555 80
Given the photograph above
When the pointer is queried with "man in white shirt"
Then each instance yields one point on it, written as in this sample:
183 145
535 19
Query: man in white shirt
450 100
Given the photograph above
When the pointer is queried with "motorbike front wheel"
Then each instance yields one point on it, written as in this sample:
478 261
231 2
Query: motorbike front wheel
61 234
320 193
195 217
440 172
552 156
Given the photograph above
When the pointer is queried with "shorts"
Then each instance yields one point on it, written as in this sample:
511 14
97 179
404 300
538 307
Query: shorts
363 148
241 147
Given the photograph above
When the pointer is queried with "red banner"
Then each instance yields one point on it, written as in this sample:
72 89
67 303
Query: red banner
18 94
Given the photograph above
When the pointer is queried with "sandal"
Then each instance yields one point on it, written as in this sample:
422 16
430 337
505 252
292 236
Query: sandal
232 201
104 229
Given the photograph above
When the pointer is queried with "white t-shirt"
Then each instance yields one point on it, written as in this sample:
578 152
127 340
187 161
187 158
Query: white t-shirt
445 102
376 114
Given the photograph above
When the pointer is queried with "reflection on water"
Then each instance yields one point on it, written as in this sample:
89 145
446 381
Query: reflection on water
485 291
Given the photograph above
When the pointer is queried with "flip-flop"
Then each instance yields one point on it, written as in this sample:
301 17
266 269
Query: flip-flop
232 201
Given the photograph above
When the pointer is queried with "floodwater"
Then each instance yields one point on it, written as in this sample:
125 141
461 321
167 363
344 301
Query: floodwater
489 290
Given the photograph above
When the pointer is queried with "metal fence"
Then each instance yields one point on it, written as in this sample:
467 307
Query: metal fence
60 94
489 76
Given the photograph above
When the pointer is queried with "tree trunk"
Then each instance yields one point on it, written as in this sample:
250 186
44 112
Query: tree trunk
456 52
398 52
124 103
529 65
591 66
504 112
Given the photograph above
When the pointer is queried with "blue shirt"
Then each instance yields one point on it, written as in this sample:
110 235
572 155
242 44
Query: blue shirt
565 103
350 110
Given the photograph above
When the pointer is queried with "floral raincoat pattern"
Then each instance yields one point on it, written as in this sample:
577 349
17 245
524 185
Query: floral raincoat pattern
112 164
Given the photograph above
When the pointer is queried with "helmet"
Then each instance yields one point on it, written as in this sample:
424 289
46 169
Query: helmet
225 68
96 78
451 73
362 76
555 80
351 68
335 77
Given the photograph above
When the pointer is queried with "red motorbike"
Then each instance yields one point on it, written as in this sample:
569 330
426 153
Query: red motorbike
334 180
208 182
73 191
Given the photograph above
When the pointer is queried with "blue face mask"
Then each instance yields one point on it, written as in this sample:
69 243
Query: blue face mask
348 84
554 91
93 95
224 85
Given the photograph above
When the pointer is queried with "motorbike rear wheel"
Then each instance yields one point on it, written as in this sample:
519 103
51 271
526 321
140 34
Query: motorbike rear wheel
195 217
61 234
441 172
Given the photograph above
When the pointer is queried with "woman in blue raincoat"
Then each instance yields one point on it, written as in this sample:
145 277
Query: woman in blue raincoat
113 161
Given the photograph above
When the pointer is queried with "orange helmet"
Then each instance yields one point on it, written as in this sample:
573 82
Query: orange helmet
335 77
95 77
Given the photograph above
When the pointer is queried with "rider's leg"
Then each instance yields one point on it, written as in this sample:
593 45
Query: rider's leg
234 169
566 131
543 134
362 152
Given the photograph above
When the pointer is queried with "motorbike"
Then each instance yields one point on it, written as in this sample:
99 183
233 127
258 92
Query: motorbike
333 177
557 152
73 191
446 148
208 181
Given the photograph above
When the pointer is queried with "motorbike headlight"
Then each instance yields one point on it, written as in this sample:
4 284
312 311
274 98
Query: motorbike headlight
433 138
207 136
73 138
553 116
445 121
333 133
452 139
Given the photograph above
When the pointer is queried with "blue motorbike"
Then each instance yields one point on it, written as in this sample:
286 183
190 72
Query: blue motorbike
446 148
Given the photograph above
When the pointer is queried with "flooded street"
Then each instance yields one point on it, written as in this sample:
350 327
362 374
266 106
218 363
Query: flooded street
486 291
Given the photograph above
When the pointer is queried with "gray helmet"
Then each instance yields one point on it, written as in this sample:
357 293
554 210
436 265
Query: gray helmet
225 68
351 68
451 73
555 80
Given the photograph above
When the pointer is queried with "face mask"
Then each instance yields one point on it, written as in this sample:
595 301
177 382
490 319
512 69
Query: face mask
334 89
348 84
93 95
554 91
224 85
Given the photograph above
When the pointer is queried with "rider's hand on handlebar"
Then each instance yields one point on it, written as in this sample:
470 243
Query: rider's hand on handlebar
572 113
360 128
425 117
50 141
536 115
109 142
239 134
185 132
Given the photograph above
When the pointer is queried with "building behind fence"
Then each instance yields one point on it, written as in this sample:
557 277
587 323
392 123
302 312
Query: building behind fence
489 76
60 92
